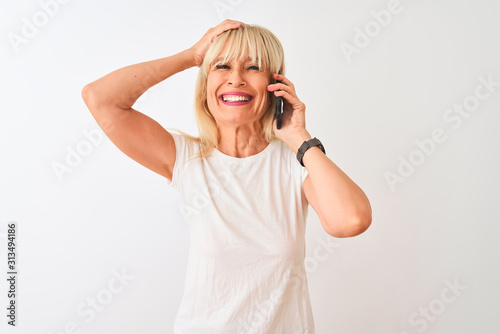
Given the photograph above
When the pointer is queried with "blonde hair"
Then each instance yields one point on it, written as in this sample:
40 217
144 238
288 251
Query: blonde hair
260 44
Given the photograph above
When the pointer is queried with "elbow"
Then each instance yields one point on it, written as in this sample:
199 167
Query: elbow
93 97
92 100
95 106
349 227
361 224
87 94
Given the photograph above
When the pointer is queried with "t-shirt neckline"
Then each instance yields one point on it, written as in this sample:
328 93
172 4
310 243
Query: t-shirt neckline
251 157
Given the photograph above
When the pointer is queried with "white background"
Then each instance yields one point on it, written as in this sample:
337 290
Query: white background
438 227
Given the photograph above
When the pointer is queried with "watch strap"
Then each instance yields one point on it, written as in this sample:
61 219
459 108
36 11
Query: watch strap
307 145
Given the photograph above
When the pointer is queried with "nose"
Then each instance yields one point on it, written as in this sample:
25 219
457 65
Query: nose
236 78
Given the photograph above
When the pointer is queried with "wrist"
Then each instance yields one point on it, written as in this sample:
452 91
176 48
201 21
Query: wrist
307 146
299 139
195 59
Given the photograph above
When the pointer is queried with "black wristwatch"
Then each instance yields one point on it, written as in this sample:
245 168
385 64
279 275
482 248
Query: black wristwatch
307 145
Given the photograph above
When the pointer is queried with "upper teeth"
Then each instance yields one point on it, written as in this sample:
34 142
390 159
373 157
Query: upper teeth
235 98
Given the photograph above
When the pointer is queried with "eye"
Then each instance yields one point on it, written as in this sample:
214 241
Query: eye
222 66
254 67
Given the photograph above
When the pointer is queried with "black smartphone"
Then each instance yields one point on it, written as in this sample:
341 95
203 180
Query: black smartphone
279 108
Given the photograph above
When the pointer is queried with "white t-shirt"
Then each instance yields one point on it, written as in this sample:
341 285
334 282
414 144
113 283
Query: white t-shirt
246 217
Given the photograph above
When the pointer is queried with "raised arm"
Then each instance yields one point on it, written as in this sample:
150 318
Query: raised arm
110 100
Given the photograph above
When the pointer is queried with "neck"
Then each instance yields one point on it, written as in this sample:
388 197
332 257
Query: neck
241 141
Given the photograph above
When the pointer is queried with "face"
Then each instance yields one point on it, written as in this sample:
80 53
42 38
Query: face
236 91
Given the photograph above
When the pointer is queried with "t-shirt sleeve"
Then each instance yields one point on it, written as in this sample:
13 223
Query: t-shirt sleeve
304 173
297 169
184 149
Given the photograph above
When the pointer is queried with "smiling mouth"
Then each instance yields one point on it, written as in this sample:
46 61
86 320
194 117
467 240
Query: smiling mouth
233 99
236 98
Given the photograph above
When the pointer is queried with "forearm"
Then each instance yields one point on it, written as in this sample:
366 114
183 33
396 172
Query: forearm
342 204
124 86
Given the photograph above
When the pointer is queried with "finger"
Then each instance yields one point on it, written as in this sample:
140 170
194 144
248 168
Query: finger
229 24
243 23
224 26
281 86
283 79
230 21
292 99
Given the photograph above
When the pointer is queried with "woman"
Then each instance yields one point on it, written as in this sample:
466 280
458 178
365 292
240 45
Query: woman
245 189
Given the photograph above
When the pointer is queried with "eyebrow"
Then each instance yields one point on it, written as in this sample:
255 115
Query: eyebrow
222 58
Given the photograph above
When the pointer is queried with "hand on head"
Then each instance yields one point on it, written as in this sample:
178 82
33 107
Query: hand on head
200 48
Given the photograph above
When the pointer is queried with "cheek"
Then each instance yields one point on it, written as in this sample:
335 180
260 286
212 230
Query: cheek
211 91
260 85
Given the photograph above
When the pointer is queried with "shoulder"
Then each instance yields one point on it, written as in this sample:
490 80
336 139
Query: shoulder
185 142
